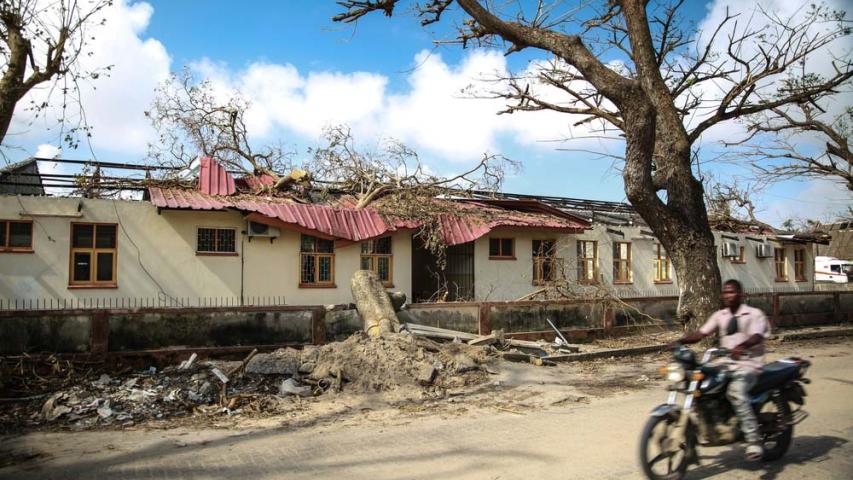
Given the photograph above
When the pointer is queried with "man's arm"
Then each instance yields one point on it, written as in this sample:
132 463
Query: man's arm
749 342
691 337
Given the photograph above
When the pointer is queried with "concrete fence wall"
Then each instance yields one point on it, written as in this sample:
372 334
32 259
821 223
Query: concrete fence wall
125 331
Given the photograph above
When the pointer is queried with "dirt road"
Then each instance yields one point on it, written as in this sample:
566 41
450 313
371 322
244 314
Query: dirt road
573 435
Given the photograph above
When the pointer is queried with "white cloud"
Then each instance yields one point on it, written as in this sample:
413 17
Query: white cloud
113 104
47 151
750 18
821 199
443 111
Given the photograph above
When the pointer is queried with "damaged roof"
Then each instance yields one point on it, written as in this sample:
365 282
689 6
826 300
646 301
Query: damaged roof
216 190
360 224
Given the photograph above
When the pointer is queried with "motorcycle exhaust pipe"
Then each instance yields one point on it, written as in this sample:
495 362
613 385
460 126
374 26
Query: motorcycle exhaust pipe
797 417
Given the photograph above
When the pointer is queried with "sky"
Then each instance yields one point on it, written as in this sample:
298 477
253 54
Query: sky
384 77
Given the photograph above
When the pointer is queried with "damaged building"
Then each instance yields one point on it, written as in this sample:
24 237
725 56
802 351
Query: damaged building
219 239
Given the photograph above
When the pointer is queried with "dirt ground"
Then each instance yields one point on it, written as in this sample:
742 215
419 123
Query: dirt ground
524 422
410 376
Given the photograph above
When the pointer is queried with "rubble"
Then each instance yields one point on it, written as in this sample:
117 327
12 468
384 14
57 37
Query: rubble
262 384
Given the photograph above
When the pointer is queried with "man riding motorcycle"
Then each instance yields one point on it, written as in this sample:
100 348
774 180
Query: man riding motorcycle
741 329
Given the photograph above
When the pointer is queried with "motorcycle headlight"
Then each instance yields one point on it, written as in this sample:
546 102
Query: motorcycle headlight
675 372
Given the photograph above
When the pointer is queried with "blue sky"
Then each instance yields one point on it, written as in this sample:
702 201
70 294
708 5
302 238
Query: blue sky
384 77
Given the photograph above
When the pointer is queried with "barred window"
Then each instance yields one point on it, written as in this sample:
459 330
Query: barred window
587 261
800 265
545 262
663 267
216 240
317 265
376 256
622 272
781 264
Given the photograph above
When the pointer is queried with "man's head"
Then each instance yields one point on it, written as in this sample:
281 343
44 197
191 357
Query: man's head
732 294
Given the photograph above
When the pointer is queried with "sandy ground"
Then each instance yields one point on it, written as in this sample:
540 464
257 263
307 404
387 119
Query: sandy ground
569 421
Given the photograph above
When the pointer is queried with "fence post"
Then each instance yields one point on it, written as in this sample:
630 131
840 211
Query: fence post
318 326
484 322
838 315
100 333
609 318
774 298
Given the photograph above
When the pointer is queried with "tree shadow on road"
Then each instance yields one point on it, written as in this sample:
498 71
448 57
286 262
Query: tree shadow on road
804 450
256 454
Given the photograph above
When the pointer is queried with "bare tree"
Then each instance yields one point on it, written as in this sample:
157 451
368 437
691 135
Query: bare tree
395 169
668 89
41 43
191 120
731 207
785 141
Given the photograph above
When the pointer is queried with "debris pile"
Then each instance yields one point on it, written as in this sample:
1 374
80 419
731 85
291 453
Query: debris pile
398 364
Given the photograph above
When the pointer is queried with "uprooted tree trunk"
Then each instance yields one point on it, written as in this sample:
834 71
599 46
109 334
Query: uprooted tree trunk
373 303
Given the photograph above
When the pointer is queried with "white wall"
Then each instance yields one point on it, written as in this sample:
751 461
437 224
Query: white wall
157 256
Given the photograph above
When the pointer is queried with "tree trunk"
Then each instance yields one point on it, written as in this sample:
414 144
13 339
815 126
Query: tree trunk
680 224
373 303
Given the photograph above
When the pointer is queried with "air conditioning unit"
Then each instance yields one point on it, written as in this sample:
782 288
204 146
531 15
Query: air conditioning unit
255 229
731 249
764 250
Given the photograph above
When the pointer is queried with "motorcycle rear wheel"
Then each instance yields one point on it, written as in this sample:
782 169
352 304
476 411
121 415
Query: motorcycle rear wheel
775 443
653 453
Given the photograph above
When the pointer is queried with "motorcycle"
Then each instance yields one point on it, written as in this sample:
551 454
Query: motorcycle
704 416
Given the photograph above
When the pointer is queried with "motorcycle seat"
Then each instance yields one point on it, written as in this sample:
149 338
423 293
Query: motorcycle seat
773 375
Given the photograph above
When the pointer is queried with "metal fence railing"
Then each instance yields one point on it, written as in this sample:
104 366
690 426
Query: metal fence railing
99 303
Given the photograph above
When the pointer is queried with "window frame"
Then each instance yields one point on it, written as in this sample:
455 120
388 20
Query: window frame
204 253
7 229
783 262
93 282
317 255
501 256
374 259
660 262
619 262
538 261
582 263
800 265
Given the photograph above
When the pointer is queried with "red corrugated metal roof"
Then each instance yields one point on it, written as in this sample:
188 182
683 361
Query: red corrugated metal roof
358 225
349 224
213 179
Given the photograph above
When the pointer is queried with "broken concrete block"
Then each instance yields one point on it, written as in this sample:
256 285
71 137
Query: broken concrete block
306 368
282 362
426 374
291 387
465 363
104 411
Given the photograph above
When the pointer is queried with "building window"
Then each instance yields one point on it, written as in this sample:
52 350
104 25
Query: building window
587 261
376 256
216 241
94 254
663 266
317 265
502 248
545 262
800 265
781 264
16 236
622 263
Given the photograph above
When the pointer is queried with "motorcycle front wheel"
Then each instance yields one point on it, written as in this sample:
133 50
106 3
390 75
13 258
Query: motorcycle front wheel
658 461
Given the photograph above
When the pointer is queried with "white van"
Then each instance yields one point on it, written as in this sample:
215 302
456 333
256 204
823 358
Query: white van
831 269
